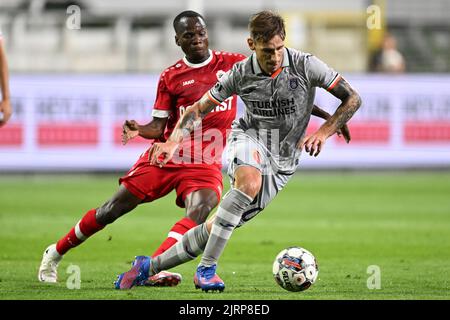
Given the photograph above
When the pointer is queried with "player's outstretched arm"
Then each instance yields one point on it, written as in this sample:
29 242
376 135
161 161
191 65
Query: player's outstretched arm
161 153
191 118
152 130
343 131
351 101
5 103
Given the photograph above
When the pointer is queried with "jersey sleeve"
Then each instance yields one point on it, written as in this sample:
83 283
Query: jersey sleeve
225 86
238 57
163 102
319 74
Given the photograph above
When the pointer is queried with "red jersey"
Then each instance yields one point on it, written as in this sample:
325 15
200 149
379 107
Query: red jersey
179 87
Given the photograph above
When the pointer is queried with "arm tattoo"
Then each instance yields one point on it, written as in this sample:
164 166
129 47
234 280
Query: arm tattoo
192 118
187 122
351 101
207 106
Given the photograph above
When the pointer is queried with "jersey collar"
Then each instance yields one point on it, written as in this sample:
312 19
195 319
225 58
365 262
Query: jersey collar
199 65
257 69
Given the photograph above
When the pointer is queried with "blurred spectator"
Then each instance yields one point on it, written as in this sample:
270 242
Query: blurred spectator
5 104
388 59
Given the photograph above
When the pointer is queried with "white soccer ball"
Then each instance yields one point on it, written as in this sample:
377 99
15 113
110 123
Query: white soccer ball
295 269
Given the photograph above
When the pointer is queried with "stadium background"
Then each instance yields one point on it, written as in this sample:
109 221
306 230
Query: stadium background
73 88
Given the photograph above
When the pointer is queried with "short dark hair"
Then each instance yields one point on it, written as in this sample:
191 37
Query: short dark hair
265 25
185 14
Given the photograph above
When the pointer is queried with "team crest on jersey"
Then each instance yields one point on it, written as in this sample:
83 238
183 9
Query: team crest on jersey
219 74
293 83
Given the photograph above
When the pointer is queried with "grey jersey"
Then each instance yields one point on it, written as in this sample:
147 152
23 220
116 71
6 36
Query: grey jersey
277 110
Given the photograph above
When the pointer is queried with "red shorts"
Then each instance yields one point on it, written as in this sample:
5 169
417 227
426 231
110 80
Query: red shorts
149 182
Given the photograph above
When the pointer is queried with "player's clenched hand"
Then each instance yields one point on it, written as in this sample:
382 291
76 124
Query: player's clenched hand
161 153
344 132
313 143
130 130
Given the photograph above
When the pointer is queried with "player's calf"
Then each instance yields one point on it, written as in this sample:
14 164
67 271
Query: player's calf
120 203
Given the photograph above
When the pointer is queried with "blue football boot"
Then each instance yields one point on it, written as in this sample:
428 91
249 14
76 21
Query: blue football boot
138 273
206 279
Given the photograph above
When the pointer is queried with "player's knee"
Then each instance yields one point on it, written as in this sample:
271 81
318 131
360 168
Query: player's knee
248 180
249 187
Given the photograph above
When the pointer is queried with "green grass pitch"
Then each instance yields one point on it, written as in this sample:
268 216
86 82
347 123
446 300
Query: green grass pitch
399 222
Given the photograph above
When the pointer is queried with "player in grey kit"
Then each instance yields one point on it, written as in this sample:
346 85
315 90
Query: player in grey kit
277 86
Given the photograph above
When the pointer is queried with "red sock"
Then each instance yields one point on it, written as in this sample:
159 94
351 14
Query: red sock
175 234
85 228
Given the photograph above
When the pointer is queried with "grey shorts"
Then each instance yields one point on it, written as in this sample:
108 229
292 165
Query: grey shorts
244 151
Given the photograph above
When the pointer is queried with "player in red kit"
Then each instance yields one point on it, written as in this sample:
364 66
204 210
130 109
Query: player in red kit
197 181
